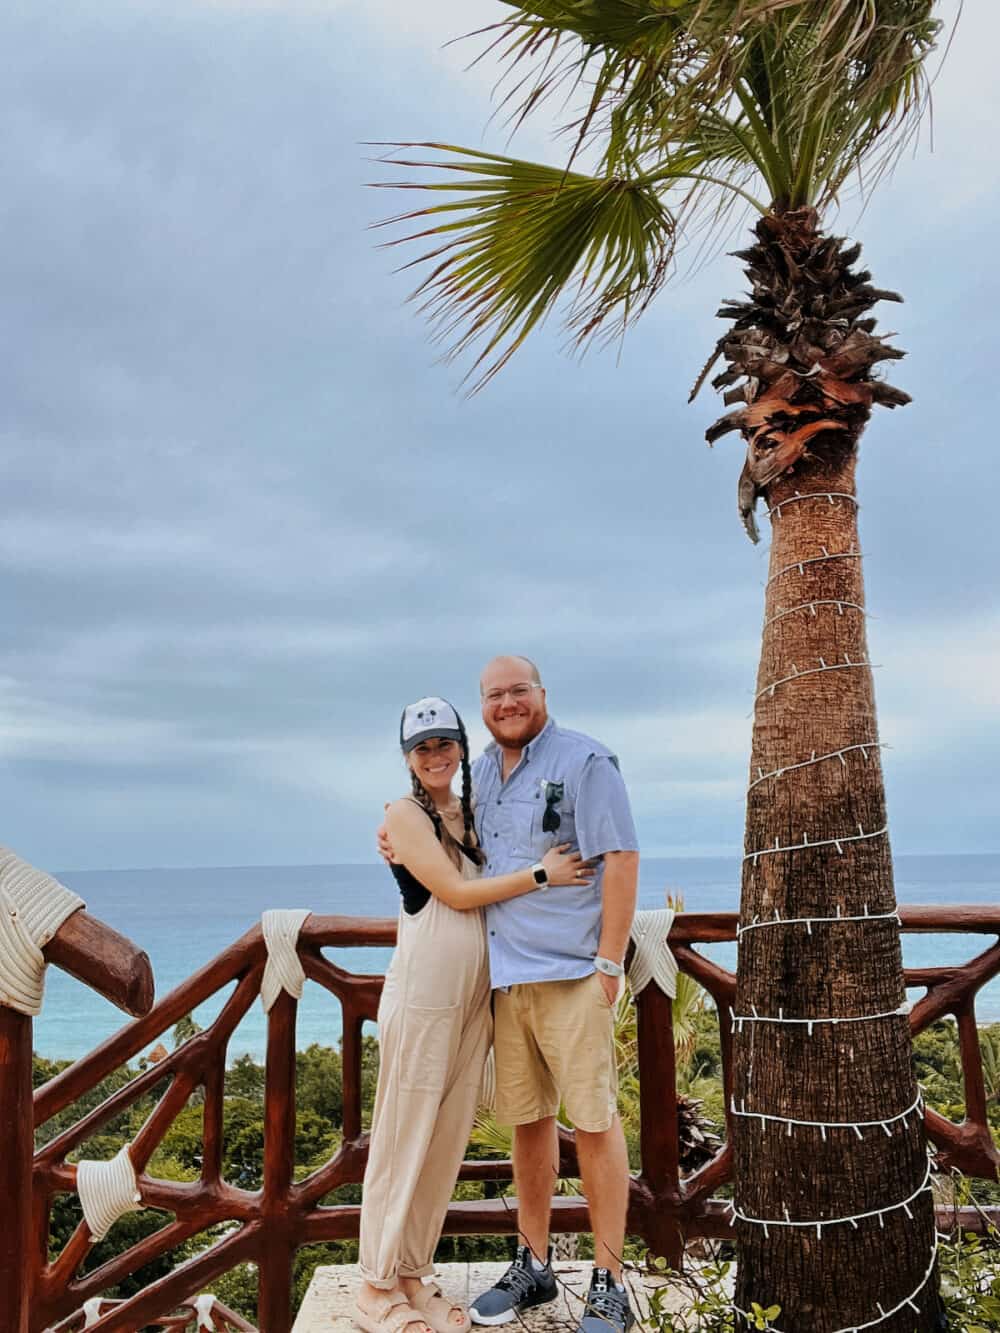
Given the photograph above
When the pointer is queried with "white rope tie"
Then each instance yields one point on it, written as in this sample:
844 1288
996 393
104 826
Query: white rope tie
283 970
33 906
107 1190
92 1311
203 1308
652 959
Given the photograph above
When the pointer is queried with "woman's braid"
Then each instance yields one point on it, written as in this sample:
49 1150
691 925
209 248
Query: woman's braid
469 840
425 799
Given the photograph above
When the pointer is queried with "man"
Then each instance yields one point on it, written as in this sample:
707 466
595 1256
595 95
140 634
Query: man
556 965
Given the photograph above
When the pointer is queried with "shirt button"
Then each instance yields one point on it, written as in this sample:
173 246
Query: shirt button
492 932
496 835
499 801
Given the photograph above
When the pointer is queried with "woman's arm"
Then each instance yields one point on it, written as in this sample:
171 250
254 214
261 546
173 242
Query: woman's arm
415 845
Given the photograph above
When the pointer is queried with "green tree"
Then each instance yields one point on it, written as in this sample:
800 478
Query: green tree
691 109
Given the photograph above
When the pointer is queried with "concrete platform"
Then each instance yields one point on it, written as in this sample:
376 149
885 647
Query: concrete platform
329 1300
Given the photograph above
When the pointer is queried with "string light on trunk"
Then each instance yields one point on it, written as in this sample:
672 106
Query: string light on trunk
883 1314
915 1108
775 510
800 565
810 921
860 836
853 1219
796 674
738 1020
863 746
838 602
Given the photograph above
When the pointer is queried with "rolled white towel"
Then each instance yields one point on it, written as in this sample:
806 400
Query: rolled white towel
107 1190
283 970
33 906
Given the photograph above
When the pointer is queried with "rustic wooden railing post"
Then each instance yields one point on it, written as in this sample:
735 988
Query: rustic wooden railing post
658 1137
277 1251
111 964
15 1169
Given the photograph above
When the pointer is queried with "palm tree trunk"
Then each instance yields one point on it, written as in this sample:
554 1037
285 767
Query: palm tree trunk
816 699
802 351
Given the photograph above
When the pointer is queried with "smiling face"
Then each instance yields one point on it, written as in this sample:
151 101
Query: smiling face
435 762
513 701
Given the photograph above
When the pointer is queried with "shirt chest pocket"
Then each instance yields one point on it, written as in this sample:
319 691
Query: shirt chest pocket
552 823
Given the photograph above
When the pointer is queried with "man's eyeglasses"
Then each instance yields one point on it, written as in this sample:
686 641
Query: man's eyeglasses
517 692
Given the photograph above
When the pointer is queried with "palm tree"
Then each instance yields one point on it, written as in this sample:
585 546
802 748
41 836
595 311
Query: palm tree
691 110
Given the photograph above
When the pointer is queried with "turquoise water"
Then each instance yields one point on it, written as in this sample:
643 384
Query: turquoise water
183 918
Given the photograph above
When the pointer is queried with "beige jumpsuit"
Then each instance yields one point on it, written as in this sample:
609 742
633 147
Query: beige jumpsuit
435 1029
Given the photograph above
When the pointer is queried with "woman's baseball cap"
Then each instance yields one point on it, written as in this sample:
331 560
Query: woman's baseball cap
428 718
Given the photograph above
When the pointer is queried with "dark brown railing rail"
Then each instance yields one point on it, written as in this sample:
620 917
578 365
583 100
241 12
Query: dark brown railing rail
181 1320
268 1225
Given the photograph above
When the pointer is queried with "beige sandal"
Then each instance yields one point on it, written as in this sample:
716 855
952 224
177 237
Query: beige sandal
391 1315
435 1307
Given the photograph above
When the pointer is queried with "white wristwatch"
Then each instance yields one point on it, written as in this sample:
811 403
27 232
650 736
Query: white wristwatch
541 875
609 968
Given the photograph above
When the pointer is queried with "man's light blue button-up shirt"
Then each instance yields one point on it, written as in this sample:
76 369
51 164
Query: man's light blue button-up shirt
550 935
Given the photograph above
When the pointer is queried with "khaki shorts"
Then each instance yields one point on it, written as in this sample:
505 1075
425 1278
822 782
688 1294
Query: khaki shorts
554 1040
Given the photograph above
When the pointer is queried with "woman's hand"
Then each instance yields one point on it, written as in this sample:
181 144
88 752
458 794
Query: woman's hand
566 867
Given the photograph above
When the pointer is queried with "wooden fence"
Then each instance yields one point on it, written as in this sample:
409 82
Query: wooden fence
267 1226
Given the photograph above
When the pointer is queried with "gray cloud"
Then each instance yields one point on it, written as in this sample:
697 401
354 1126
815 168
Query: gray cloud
247 516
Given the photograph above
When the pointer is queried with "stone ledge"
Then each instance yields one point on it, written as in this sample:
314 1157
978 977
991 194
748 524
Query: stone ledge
328 1305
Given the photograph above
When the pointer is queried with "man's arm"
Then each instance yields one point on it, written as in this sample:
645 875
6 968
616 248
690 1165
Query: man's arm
605 827
619 890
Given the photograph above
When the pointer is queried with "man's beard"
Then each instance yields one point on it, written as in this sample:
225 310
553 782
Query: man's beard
518 731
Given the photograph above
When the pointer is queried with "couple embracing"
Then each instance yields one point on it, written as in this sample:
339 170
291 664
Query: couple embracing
517 900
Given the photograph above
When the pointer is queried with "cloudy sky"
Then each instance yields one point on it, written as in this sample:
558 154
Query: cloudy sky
247 516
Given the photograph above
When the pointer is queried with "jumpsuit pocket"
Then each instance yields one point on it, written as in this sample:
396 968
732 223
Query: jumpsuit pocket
429 1037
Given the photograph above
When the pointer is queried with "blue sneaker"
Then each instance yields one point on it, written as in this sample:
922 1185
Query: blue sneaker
607 1309
521 1288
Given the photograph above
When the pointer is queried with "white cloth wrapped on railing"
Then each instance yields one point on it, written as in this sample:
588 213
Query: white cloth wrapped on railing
283 970
203 1308
652 959
92 1311
33 906
107 1190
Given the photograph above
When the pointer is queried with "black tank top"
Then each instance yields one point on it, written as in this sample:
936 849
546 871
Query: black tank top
413 893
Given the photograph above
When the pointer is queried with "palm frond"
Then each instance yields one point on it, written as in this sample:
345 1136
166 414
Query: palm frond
527 233
704 103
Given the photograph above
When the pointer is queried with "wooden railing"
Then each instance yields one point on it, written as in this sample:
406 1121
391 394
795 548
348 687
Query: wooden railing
183 1319
267 1226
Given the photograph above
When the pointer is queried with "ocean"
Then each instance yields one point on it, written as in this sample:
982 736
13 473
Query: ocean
183 918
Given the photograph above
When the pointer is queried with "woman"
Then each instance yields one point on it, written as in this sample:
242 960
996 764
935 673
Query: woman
434 1024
